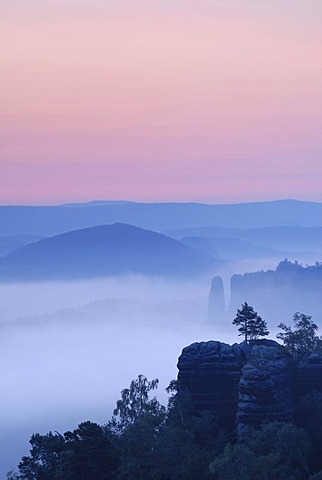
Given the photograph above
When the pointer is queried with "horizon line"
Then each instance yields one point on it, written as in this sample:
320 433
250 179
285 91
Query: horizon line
115 202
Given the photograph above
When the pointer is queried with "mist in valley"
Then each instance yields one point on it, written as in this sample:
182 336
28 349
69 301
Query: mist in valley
69 348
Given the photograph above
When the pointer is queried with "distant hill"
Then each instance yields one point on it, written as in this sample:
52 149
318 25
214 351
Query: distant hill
104 251
97 203
281 237
266 242
12 242
231 249
157 216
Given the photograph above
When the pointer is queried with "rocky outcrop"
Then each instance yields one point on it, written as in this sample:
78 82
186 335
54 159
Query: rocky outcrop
243 385
211 373
266 387
310 373
216 303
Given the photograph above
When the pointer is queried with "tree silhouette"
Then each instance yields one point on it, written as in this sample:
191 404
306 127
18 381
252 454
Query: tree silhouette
250 324
83 454
303 339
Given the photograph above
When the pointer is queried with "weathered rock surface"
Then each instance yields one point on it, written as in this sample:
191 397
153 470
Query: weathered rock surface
267 386
211 373
310 373
244 385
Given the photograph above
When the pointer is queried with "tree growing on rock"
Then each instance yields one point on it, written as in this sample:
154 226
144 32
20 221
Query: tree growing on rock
250 324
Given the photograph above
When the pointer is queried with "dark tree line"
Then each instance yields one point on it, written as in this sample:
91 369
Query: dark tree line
85 454
145 441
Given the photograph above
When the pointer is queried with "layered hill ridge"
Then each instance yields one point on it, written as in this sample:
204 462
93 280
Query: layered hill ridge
104 250
13 242
52 220
275 242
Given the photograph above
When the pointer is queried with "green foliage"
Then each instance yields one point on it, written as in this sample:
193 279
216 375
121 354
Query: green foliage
137 422
89 454
278 451
238 462
188 441
250 324
309 416
44 462
290 443
179 405
174 455
83 454
13 475
145 441
303 338
135 403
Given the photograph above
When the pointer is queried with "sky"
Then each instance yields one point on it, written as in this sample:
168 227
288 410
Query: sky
217 101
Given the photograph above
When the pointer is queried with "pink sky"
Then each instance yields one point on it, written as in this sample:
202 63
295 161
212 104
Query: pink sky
205 100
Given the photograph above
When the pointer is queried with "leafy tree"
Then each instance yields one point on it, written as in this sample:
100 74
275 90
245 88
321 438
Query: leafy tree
89 454
303 338
135 403
278 451
44 461
13 475
83 454
188 440
290 443
250 324
203 425
238 462
137 423
175 455
309 416
180 405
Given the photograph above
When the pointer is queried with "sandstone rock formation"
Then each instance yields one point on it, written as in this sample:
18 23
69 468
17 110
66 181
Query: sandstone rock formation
266 387
216 303
211 373
310 373
244 385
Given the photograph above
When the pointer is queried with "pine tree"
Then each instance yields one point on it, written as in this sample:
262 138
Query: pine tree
250 324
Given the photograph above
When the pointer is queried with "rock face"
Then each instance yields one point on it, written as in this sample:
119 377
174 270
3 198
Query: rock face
266 387
242 385
216 304
310 373
211 373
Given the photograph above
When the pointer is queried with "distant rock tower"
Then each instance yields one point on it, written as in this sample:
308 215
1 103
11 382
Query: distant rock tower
216 303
